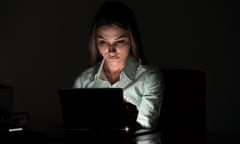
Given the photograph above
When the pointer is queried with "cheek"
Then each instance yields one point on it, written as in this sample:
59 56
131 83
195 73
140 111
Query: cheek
102 50
122 52
125 50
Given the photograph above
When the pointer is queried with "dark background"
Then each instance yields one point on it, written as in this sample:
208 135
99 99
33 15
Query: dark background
43 47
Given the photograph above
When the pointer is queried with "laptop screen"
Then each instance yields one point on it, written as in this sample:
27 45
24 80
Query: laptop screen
92 108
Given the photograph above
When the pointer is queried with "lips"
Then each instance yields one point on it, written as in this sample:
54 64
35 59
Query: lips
112 57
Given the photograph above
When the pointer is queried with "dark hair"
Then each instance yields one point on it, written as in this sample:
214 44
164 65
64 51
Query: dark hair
119 14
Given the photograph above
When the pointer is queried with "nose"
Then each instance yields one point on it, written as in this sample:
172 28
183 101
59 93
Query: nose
111 49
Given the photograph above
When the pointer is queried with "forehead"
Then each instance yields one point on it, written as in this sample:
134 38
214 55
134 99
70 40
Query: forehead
111 31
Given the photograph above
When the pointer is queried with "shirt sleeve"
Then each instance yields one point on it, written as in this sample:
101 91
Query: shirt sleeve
77 83
151 101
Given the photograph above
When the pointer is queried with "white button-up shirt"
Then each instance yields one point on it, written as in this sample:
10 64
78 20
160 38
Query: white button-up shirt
142 86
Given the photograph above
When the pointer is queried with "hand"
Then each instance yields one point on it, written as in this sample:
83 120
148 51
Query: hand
131 113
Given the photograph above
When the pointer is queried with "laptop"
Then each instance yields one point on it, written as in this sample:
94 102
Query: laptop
89 109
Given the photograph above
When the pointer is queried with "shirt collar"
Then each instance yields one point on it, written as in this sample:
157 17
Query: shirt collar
129 69
100 73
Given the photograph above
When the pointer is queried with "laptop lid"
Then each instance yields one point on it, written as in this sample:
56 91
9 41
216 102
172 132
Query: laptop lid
92 108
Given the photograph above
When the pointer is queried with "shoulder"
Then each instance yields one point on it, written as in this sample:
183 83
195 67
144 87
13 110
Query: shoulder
149 70
85 76
150 74
88 72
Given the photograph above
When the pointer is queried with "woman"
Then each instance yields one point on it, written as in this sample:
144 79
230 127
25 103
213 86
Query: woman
118 62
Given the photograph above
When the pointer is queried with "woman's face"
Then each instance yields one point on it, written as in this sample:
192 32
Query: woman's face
113 44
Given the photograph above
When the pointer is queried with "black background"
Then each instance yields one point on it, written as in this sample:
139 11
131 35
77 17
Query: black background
43 47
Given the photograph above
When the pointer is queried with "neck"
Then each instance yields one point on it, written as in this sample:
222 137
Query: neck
113 72
113 69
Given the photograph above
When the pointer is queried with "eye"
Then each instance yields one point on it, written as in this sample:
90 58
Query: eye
102 42
120 41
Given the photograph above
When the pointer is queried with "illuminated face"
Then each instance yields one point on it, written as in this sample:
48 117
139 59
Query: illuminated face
113 44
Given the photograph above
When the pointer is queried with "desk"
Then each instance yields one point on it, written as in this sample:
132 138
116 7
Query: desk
60 136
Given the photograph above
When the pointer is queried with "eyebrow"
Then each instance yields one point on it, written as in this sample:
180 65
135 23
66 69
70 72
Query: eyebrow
121 36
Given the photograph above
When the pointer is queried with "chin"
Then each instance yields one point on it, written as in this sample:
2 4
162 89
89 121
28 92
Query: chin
113 61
